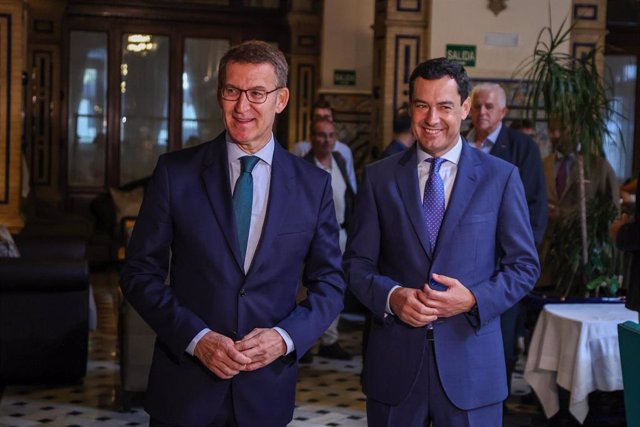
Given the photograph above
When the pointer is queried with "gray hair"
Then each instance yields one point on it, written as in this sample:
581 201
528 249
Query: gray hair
502 96
255 52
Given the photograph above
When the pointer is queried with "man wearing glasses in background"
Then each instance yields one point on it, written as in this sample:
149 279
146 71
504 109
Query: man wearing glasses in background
321 110
240 217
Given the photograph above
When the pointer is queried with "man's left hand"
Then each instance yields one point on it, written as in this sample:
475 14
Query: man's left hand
262 346
454 300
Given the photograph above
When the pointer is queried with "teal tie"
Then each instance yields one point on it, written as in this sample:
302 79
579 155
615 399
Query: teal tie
243 199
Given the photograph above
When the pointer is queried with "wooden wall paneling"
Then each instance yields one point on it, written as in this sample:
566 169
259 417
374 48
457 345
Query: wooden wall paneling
11 66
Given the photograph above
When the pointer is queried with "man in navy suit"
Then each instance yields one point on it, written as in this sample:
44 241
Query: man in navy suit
436 295
488 108
229 329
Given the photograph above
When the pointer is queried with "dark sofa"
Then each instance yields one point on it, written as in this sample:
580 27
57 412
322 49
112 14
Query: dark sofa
44 312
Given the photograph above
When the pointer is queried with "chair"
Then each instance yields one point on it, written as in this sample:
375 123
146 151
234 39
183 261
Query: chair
44 312
629 340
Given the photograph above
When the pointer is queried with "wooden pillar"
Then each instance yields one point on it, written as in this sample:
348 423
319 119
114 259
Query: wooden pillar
12 44
400 43
590 19
305 20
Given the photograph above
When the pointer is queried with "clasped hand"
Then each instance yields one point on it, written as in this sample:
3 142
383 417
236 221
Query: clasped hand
419 307
226 358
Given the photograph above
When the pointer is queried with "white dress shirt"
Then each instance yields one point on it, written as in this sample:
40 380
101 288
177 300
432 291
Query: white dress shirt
487 145
303 147
339 188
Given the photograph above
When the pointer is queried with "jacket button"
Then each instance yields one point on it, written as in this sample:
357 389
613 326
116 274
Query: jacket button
242 292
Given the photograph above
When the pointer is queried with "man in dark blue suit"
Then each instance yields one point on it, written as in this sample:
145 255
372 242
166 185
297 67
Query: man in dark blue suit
437 291
488 108
234 223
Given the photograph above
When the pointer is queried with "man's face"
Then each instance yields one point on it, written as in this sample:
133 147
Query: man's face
323 138
322 114
486 112
436 114
249 125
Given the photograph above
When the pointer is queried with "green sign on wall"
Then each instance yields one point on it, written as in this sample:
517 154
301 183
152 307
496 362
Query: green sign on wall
465 54
344 77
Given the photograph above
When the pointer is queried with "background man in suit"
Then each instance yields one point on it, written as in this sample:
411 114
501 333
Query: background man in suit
563 191
240 217
488 108
322 154
402 136
436 291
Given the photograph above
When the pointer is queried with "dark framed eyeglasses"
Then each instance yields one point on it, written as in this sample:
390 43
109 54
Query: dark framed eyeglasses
256 96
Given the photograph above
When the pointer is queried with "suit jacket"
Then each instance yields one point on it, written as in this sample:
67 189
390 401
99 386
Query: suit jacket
187 210
349 194
485 242
519 149
602 181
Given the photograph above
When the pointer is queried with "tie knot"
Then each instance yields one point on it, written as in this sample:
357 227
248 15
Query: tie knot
436 163
247 163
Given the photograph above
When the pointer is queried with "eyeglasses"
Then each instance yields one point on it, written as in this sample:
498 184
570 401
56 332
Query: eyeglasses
256 96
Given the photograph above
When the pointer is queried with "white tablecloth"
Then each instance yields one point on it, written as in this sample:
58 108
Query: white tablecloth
575 346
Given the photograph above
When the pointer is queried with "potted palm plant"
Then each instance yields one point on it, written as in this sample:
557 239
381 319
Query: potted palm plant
571 93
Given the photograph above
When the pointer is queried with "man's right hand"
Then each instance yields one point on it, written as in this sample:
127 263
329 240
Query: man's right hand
218 353
410 305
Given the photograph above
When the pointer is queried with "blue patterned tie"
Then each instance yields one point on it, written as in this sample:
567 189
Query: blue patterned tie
433 201
243 199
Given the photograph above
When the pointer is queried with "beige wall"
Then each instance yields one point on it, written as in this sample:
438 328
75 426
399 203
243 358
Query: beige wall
347 43
469 21
347 37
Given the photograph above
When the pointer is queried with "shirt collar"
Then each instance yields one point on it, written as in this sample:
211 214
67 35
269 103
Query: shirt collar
265 153
491 138
452 155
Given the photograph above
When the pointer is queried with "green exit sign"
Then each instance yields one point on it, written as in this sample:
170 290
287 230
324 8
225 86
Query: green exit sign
344 77
464 54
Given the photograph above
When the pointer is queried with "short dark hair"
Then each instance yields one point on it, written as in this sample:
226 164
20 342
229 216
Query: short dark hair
436 68
401 121
324 104
255 52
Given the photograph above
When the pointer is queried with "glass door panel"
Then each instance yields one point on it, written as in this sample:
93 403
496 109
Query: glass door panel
622 72
87 130
201 115
144 89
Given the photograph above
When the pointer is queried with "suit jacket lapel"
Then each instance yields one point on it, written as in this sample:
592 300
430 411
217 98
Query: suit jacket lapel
215 176
282 179
407 181
462 192
501 147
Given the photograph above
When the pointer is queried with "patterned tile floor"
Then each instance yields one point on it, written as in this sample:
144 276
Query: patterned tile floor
328 392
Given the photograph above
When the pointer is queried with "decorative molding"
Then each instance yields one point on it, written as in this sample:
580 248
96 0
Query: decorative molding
585 12
408 5
579 49
406 58
40 129
497 6
305 94
308 40
5 98
43 26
